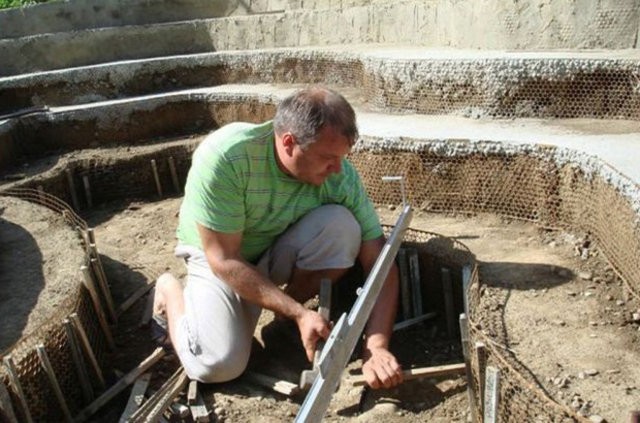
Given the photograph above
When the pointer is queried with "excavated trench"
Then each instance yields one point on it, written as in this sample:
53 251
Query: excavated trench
120 165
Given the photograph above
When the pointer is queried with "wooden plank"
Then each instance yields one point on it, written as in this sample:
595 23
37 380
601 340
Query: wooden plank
88 350
53 380
97 305
78 361
139 293
416 282
466 282
281 386
151 411
481 359
5 404
199 410
119 386
450 313
192 392
464 334
419 373
414 320
405 285
492 395
136 397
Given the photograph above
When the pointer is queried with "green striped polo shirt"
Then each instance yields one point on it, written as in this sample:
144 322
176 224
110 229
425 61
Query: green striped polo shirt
235 185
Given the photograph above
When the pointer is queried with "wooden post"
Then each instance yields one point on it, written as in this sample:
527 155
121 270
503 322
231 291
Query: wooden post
174 175
5 404
156 177
84 340
466 282
87 190
91 287
450 313
192 392
136 397
53 380
78 361
481 359
15 381
405 284
128 379
416 282
151 410
492 395
72 190
464 332
96 265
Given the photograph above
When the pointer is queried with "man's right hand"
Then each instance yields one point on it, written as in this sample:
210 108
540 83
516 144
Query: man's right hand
312 327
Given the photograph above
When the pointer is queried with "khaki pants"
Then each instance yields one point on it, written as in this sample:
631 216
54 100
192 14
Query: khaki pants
215 333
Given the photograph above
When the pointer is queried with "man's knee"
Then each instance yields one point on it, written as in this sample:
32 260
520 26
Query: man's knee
222 368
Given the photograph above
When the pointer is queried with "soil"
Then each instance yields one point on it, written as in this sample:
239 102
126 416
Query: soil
564 315
30 254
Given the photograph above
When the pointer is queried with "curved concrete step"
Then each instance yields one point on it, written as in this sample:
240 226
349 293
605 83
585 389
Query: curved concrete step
435 24
74 15
141 120
399 79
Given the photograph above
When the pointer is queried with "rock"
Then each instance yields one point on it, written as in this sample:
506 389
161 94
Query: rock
609 297
591 372
592 323
596 419
635 317
619 303
558 322
586 275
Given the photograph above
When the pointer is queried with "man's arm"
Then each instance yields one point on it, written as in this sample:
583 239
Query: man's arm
380 367
223 255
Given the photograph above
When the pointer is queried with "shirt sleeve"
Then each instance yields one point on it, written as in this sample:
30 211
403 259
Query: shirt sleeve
355 198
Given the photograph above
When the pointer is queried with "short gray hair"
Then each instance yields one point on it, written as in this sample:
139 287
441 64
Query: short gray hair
307 111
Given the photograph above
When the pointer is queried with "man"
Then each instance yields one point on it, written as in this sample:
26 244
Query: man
269 204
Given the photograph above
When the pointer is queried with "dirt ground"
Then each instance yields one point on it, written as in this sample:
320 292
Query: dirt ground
564 315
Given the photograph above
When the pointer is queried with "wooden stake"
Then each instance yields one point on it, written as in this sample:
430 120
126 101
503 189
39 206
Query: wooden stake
5 404
78 361
15 381
156 177
174 176
450 313
466 282
91 287
199 410
481 359
420 373
84 340
87 190
405 284
192 392
96 265
151 410
492 395
53 380
414 320
128 379
464 332
139 293
72 190
416 282
136 398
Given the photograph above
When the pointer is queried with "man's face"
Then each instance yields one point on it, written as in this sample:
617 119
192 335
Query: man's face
320 159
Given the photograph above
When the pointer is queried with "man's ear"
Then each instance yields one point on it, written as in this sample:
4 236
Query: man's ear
288 142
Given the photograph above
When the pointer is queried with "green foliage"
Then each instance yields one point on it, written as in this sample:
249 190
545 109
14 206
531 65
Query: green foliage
5 4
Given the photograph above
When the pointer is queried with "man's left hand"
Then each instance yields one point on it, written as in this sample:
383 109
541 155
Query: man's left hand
381 369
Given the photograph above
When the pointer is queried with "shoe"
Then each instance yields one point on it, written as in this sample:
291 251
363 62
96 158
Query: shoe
159 328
